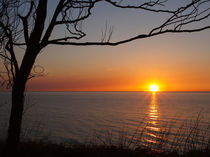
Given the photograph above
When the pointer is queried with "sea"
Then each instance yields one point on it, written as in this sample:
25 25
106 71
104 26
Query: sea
112 117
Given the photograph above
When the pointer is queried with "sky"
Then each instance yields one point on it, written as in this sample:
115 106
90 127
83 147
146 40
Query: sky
175 62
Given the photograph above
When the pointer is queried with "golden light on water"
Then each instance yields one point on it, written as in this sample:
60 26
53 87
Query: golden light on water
153 116
153 88
153 111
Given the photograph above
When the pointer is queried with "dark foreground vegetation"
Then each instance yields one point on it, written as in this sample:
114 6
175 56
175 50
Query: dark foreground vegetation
47 149
42 149
191 139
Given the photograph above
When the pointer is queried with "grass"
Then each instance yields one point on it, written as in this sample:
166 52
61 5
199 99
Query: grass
47 149
191 139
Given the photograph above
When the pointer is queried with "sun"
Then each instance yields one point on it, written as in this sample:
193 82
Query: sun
153 88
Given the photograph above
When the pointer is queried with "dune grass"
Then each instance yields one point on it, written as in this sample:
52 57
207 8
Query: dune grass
191 139
47 149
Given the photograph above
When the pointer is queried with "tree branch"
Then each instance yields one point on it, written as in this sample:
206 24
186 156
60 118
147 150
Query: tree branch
52 23
41 13
10 49
76 20
25 21
145 6
142 36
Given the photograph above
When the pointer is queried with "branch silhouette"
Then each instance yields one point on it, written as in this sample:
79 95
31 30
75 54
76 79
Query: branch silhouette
28 25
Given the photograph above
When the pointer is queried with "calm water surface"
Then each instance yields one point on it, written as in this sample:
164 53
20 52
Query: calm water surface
79 116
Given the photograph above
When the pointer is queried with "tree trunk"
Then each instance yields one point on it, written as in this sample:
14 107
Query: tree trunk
32 50
18 90
15 116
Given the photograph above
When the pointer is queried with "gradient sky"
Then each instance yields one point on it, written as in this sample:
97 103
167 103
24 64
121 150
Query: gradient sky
176 62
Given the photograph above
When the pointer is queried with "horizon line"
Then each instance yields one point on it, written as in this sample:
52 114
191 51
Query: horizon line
100 91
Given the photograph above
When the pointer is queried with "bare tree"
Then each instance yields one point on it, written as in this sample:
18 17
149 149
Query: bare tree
23 24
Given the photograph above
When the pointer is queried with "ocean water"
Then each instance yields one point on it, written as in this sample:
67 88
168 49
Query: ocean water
81 116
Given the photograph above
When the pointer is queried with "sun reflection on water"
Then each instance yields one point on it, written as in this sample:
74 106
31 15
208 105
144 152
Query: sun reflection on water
153 115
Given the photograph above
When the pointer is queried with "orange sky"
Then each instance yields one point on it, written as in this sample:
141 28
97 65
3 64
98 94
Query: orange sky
174 62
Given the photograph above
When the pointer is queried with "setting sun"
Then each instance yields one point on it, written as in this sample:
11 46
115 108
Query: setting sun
153 88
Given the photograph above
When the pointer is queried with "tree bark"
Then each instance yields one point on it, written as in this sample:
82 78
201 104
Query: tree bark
17 107
19 83
16 116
